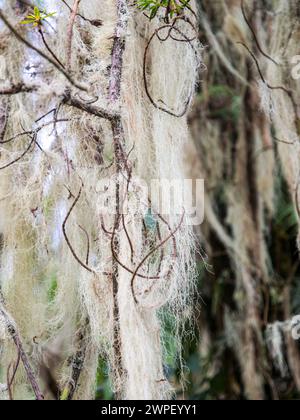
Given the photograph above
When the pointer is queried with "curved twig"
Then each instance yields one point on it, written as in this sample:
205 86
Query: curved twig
93 22
80 262
156 33
128 238
33 140
49 49
282 88
172 234
88 244
254 35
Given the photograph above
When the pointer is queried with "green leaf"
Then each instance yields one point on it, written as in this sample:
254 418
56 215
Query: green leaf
49 15
37 12
26 22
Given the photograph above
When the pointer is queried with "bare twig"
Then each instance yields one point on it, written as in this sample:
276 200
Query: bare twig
49 49
11 377
254 35
93 22
160 245
80 262
33 139
41 53
70 33
288 92
170 28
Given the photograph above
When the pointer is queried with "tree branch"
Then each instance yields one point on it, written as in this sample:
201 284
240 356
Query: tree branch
118 139
70 33
17 340
90 109
93 22
41 53
17 88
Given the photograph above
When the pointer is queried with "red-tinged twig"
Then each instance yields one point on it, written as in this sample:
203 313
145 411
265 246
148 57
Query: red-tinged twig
94 22
120 263
70 31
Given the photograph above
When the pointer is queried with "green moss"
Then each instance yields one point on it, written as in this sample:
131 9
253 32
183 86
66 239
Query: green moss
52 289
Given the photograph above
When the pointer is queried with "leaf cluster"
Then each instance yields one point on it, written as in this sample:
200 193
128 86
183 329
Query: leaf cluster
171 8
37 18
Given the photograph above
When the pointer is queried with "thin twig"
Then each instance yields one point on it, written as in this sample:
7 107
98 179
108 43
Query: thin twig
49 49
33 139
11 378
93 22
41 53
70 33
87 259
282 88
254 34
160 245
80 262
156 34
